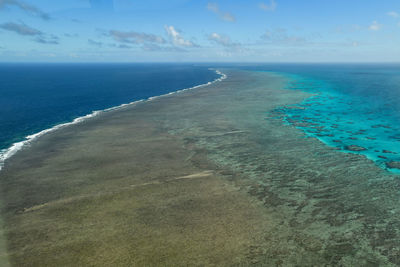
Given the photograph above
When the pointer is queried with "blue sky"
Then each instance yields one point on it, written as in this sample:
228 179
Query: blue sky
200 31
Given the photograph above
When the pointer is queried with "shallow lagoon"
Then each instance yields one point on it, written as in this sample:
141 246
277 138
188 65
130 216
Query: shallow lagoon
354 108
348 123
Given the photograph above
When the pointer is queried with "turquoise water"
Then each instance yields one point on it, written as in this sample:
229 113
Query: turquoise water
354 108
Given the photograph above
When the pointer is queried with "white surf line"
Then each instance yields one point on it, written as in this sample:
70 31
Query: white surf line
7 153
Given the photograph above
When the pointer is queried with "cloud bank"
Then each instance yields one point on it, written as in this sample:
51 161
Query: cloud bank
151 42
25 30
25 7
132 37
21 29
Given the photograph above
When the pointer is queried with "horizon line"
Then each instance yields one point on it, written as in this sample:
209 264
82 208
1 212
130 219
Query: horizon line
198 62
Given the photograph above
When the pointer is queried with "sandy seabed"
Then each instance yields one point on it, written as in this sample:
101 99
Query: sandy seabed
207 177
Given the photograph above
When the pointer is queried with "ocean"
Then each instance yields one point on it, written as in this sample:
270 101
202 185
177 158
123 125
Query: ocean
355 107
36 97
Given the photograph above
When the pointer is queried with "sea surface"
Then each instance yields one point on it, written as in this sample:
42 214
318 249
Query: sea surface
355 108
36 97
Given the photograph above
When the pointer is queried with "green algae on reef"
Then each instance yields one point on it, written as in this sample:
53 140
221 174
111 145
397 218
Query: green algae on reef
206 177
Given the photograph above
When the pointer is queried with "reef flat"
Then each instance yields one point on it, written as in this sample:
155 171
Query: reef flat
211 176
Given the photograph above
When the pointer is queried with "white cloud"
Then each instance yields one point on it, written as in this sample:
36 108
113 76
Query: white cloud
268 7
147 41
226 16
176 37
393 14
227 43
220 39
375 26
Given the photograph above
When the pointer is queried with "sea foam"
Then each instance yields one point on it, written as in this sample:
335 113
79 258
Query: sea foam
7 153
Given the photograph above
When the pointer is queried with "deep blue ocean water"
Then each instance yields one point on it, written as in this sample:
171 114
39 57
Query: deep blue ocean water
35 97
355 107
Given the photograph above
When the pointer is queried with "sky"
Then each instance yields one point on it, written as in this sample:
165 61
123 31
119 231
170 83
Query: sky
199 31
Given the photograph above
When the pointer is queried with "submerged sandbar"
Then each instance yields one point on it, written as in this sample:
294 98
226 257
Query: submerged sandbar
210 176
